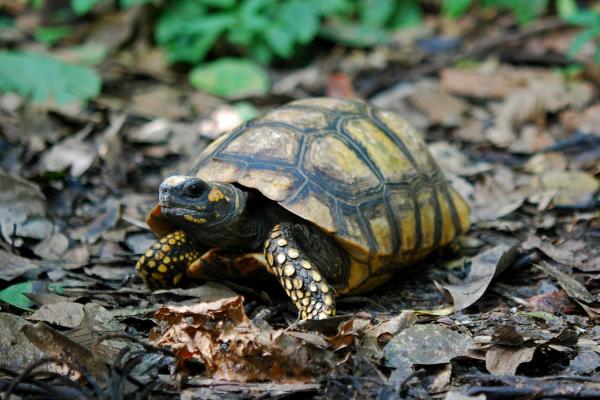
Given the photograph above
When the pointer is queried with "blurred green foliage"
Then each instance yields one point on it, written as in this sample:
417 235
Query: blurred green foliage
41 77
263 31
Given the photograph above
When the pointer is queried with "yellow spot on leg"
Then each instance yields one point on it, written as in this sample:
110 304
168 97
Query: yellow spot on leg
288 269
293 253
280 258
162 268
177 278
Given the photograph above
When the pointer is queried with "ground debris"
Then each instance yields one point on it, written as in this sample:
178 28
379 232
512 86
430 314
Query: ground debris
232 348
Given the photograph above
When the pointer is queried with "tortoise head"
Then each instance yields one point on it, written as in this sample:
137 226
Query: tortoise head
189 200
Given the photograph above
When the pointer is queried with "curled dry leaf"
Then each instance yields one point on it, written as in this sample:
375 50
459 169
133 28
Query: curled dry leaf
574 253
22 209
572 188
12 266
65 314
427 345
504 360
483 268
440 107
574 289
232 348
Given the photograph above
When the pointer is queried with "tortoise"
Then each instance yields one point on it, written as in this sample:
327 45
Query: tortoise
338 195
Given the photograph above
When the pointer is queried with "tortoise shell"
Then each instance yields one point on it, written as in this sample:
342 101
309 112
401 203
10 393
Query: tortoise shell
361 174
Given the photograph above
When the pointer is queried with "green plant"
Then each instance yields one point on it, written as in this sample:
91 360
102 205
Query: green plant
40 77
588 19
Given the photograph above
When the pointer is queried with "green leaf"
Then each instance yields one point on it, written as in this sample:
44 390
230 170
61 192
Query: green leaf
455 8
15 294
376 13
132 3
353 34
580 40
218 3
333 7
281 41
41 77
566 8
51 34
300 19
231 78
408 14
82 7
246 110
584 18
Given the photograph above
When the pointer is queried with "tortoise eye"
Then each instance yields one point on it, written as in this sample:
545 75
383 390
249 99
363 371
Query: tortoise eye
195 188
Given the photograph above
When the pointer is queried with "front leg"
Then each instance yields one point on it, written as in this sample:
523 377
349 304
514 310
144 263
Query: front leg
167 261
304 259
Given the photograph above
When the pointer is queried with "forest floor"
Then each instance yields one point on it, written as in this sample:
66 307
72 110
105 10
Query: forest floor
512 314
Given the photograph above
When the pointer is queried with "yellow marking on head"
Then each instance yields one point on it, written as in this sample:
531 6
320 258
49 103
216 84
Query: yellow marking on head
166 248
159 255
162 268
288 269
157 245
305 264
215 195
149 253
177 278
167 260
151 263
174 180
293 253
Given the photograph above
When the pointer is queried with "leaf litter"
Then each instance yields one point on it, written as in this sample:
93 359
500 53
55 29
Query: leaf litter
518 142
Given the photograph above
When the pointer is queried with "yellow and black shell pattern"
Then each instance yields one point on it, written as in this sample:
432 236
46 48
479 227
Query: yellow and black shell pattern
361 174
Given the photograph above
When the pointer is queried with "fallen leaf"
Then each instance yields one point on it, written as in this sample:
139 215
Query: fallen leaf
16 351
53 248
585 363
72 155
96 322
159 101
426 344
574 253
208 292
504 360
15 295
573 189
65 314
452 160
573 288
232 348
459 396
22 209
55 344
440 107
484 267
12 266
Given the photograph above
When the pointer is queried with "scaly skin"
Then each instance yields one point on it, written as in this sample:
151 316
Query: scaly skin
166 262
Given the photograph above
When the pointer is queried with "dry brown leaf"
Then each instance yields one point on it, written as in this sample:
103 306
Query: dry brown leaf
22 209
12 266
572 188
72 154
440 107
573 288
427 345
232 348
574 253
16 351
504 360
65 314
483 269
